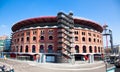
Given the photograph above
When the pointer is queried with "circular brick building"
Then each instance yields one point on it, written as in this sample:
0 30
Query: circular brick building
56 37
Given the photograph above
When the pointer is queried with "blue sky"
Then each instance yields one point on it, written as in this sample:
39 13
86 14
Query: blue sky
101 11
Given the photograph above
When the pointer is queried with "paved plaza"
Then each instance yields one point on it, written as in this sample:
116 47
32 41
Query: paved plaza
29 66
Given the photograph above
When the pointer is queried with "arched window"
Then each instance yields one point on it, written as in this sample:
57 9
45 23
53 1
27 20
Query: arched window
50 49
99 49
76 38
76 49
90 49
27 38
26 48
83 38
22 39
94 40
102 50
17 48
33 49
89 39
34 38
41 49
50 37
20 48
42 38
95 49
98 40
84 49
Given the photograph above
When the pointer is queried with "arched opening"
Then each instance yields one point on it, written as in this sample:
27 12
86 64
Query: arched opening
89 39
26 48
28 38
20 48
41 49
76 49
99 49
50 49
50 37
95 49
42 38
84 49
83 38
90 49
76 38
34 38
33 49
17 48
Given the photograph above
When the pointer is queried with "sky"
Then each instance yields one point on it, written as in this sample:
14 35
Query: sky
100 11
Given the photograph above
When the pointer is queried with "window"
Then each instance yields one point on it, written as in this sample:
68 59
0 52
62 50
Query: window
34 32
90 49
21 49
98 40
18 35
50 32
89 34
83 33
27 33
76 49
99 49
102 50
33 49
98 36
17 48
18 40
27 38
50 49
76 32
22 39
94 35
26 48
76 38
94 40
42 38
95 50
22 34
41 49
42 32
34 38
89 39
84 49
83 38
15 40
50 37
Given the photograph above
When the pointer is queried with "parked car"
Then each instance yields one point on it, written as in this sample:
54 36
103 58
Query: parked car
117 63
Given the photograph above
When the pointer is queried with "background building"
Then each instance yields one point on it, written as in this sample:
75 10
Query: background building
56 38
5 43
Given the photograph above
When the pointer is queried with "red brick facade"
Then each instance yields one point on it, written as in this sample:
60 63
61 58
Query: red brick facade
40 35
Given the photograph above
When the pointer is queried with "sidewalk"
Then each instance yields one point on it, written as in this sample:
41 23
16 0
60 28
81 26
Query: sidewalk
30 66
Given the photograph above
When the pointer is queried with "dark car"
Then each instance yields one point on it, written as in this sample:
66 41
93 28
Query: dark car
117 63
